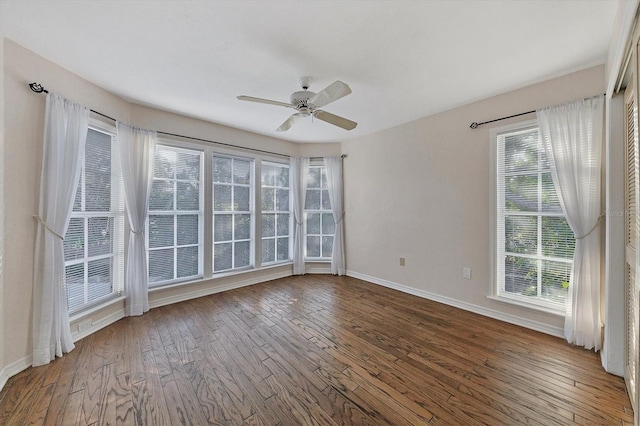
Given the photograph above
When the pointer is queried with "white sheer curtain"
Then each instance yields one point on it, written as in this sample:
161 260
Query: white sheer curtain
334 184
65 134
137 149
572 137
298 168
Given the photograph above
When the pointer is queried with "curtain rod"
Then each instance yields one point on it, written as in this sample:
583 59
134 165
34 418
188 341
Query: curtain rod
475 124
38 88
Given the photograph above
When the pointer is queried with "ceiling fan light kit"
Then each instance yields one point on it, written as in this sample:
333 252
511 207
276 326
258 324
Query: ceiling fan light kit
306 103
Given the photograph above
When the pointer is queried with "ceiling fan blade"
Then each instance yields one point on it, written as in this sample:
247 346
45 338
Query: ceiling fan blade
332 92
287 124
264 101
336 120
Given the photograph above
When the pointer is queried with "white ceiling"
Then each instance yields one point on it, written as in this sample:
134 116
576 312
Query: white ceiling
403 59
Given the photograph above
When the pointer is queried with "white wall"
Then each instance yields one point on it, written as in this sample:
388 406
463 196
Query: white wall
421 191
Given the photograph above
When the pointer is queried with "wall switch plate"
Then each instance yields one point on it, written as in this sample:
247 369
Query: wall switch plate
466 273
402 262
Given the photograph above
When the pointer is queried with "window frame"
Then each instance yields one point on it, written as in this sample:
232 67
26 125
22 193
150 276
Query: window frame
497 237
175 212
120 228
276 213
321 212
253 237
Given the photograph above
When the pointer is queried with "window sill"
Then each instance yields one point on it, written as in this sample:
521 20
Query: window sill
523 304
90 311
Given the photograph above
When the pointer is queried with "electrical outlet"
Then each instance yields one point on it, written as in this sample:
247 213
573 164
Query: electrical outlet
402 262
466 273
84 325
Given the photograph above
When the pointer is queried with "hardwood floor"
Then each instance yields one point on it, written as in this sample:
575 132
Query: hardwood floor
318 350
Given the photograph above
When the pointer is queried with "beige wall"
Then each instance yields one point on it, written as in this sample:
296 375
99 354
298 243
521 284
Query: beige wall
22 161
418 191
421 191
24 120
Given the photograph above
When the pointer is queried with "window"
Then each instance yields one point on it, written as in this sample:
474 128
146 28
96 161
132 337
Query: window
94 242
534 241
232 213
175 229
276 213
319 224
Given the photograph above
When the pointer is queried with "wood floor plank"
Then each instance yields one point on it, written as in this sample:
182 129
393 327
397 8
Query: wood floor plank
319 350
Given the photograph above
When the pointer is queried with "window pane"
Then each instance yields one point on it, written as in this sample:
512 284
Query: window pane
97 172
188 260
313 178
222 198
188 165
160 265
74 281
100 278
313 223
77 201
328 224
521 193
161 198
282 200
326 203
188 196
241 199
521 234
313 246
282 177
222 227
268 250
242 255
550 201
521 151
100 236
283 224
188 229
242 227
268 195
555 280
557 238
164 165
268 175
222 257
222 170
327 246
74 239
521 276
241 171
268 225
312 200
160 231
283 248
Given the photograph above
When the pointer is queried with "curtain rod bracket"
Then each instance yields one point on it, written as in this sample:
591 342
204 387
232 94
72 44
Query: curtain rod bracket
38 88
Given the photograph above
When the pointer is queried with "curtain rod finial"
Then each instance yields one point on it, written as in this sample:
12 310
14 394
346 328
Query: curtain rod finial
474 125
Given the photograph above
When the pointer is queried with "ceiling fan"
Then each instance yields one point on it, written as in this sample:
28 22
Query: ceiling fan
307 104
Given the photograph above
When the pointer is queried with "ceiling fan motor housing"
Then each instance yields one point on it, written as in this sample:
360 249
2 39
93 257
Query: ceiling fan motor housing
300 101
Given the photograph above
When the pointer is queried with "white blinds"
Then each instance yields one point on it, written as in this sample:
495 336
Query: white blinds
175 226
535 242
232 213
276 213
94 242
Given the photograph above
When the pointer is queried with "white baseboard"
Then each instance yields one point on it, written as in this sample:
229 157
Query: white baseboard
217 289
14 368
491 313
318 270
